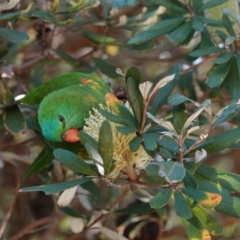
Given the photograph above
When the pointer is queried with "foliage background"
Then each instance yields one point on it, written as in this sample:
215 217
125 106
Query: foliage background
84 36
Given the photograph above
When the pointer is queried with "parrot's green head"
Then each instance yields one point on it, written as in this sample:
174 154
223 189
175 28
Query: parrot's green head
61 116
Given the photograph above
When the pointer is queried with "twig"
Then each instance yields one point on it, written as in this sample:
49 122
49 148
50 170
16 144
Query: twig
10 210
35 224
101 217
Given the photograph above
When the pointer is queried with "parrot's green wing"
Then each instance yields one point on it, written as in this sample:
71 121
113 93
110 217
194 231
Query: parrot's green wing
35 96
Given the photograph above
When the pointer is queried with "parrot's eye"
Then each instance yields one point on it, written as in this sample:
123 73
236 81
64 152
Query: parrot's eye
61 118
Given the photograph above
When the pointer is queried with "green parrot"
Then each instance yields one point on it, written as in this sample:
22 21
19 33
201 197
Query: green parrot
62 113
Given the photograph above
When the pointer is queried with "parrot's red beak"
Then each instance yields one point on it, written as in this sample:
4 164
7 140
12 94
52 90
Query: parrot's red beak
71 135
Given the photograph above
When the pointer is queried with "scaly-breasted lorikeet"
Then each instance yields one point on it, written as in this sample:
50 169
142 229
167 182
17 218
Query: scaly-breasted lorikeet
62 112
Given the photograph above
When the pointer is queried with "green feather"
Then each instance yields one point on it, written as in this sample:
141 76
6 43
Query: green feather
68 107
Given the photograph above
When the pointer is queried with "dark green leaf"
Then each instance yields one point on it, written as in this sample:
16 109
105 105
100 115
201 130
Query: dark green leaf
218 74
221 141
66 57
43 15
150 140
56 187
165 154
158 29
225 57
179 117
105 145
43 159
232 79
177 99
181 206
106 68
197 25
137 208
98 38
135 143
13 120
119 3
74 162
133 78
164 92
171 171
205 51
152 171
180 34
86 138
161 199
3 53
226 179
189 180
170 5
227 113
168 143
71 212
10 15
13 35
194 232
228 25
212 225
229 206
117 119
211 4
125 130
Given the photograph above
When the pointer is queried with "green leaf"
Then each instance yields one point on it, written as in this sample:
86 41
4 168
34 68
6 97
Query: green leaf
13 35
226 179
164 92
135 143
150 140
232 79
179 117
66 57
105 145
189 180
180 34
44 158
171 171
228 25
211 4
74 162
117 119
177 99
170 5
161 199
125 130
170 144
13 120
212 225
225 57
71 212
43 15
98 38
86 138
120 3
197 25
158 29
10 15
106 68
227 113
193 232
221 141
152 171
229 206
133 78
205 51
56 187
3 53
206 199
218 74
181 206
136 208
